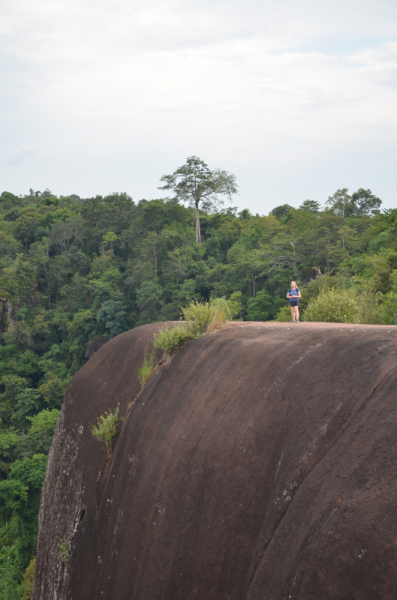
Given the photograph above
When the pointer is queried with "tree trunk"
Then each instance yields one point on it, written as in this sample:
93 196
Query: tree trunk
2 313
12 312
253 285
198 232
155 260
47 276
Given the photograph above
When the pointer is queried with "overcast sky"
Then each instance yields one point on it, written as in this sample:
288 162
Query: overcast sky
296 98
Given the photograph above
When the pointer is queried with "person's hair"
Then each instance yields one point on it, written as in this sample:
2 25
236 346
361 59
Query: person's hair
294 283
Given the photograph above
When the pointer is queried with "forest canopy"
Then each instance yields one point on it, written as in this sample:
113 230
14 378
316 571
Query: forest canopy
75 270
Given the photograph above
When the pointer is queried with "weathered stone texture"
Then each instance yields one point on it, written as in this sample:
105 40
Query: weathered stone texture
260 464
93 348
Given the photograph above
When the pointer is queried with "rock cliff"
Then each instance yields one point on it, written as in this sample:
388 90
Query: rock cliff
258 464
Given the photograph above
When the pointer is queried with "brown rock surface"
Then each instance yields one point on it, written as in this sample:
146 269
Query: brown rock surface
259 464
93 348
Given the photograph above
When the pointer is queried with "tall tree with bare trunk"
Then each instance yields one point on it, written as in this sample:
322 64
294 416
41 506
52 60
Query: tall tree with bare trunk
197 185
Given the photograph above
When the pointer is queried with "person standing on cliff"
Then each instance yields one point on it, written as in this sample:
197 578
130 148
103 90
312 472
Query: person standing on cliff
293 296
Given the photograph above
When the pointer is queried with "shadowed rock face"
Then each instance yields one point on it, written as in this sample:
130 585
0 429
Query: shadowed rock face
93 348
260 464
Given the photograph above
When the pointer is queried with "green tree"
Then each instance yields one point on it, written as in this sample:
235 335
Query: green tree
109 238
26 226
282 212
28 400
65 236
311 206
42 430
8 201
196 184
111 317
340 202
149 301
360 203
366 202
16 286
19 504
260 307
9 246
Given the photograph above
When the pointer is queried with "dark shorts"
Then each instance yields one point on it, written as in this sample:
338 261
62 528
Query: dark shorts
294 302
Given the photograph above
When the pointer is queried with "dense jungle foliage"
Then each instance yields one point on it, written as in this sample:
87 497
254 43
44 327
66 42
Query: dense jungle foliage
74 270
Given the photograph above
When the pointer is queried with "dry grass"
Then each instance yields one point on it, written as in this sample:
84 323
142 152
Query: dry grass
220 314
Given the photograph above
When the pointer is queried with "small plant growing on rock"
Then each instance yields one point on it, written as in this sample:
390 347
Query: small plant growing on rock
200 317
106 428
169 340
207 316
198 314
148 367
63 551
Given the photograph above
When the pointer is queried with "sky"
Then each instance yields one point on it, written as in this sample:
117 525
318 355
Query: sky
296 98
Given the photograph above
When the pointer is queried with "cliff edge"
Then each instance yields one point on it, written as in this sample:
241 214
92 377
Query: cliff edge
258 464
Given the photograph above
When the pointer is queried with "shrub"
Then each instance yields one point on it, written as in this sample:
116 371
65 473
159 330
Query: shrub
284 314
148 367
198 313
202 316
169 340
106 428
260 307
344 306
388 308
315 287
29 580
235 305
368 307
207 316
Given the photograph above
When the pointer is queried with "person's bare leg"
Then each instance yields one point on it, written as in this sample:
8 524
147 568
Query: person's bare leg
297 314
292 313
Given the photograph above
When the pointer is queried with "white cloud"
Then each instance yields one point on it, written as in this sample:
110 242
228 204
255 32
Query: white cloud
262 88
18 156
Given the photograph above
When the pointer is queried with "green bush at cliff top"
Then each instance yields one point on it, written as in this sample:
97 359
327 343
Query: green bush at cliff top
343 306
201 317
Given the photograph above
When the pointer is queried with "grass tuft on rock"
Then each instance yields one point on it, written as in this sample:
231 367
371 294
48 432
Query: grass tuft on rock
106 428
148 367
199 318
